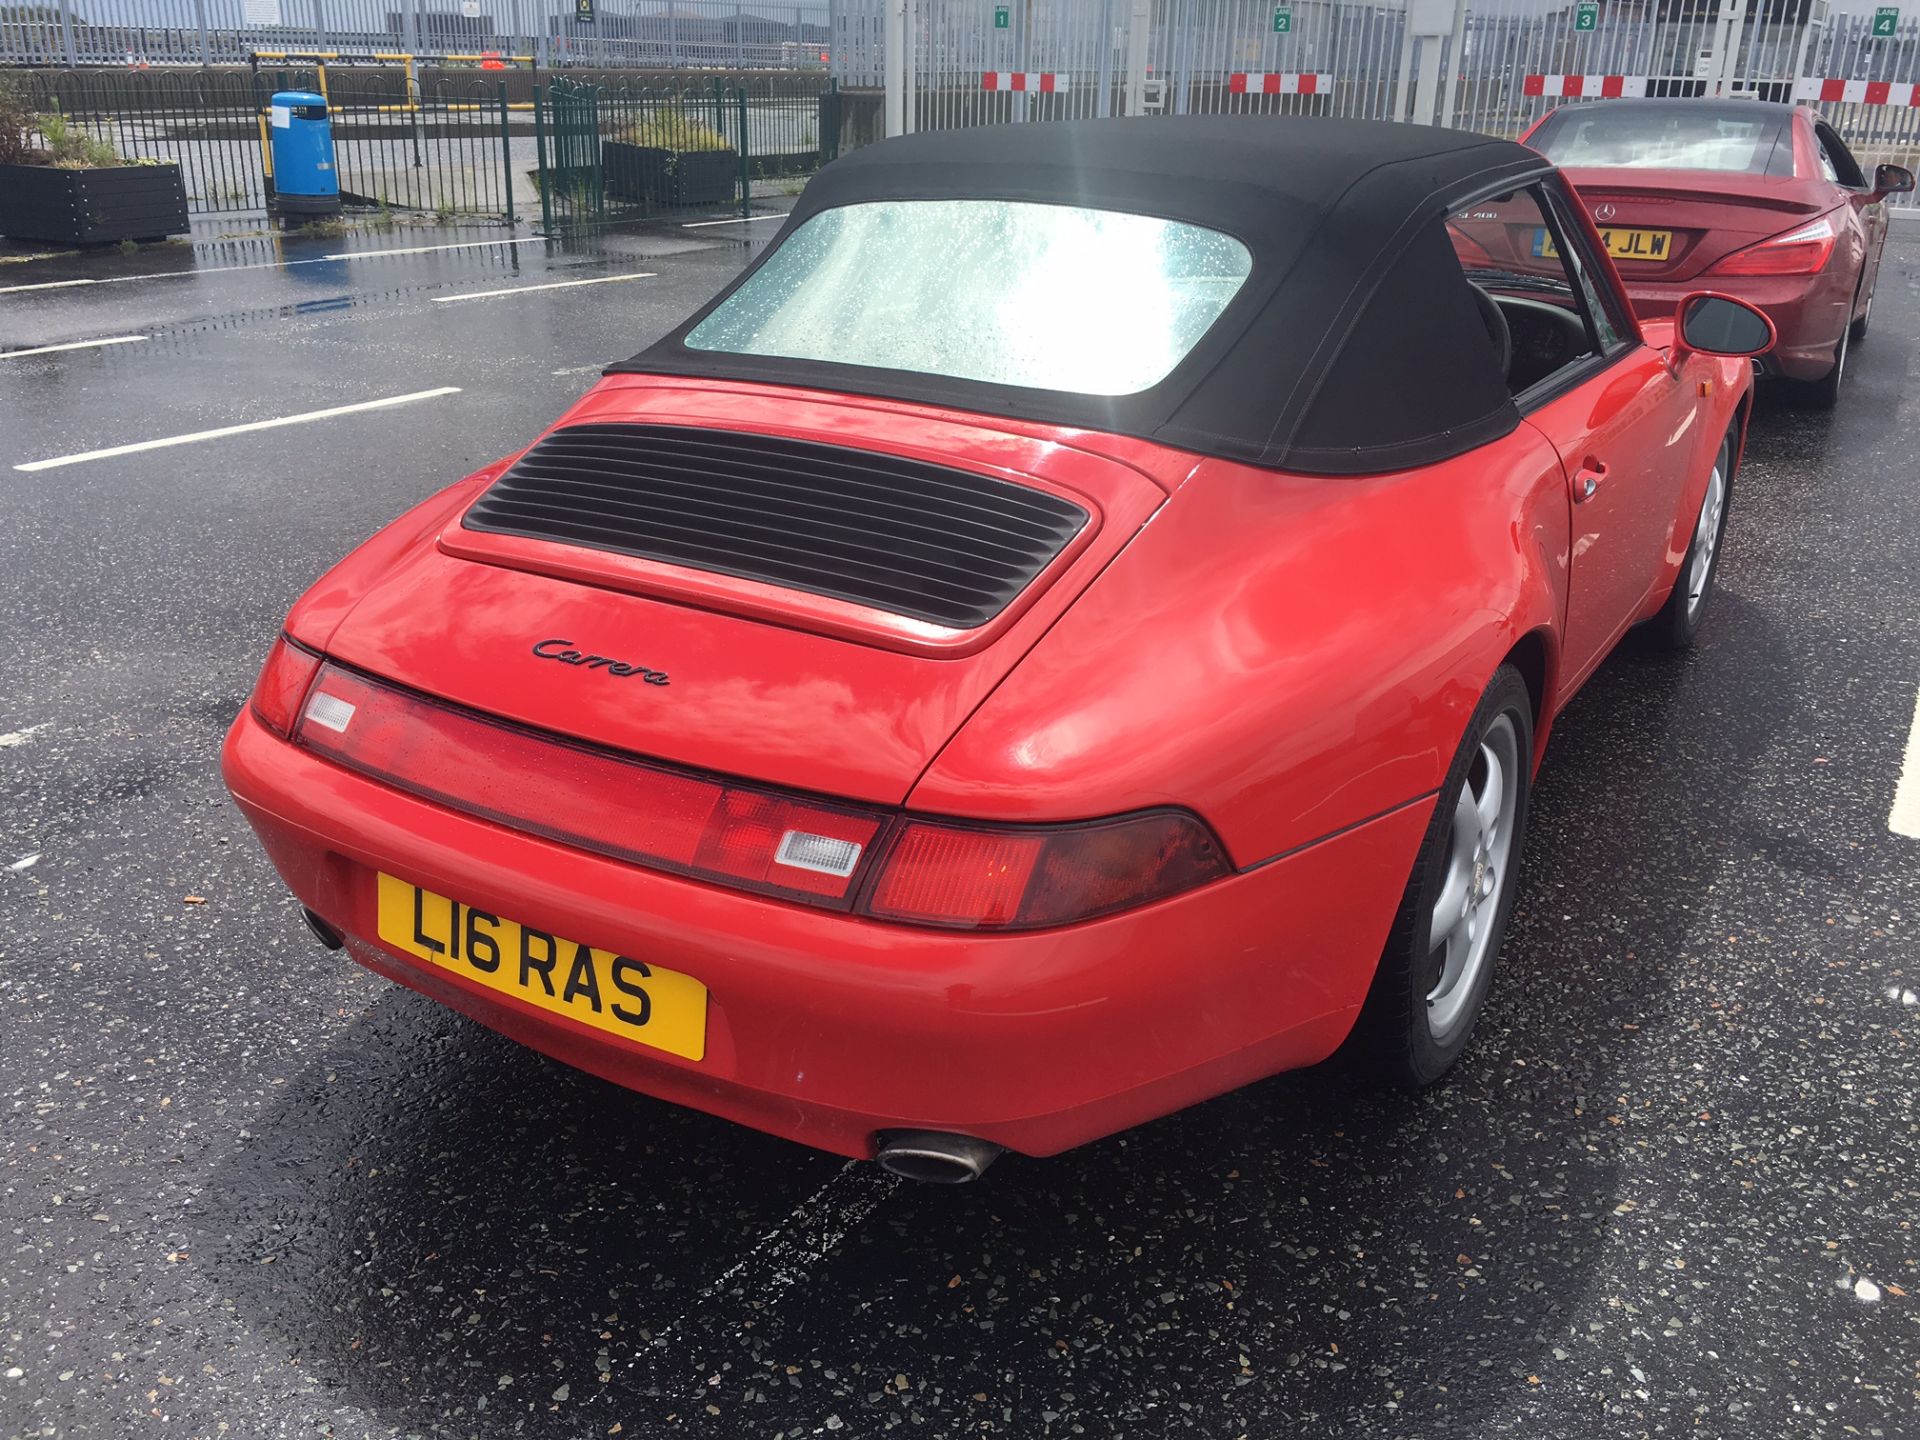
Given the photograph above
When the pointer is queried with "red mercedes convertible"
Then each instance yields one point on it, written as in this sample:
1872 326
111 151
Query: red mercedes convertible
1067 632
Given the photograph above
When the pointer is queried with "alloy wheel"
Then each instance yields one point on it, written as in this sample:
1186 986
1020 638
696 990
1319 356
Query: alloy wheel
1706 537
1479 857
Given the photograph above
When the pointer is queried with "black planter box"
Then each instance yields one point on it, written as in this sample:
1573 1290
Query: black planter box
92 207
668 177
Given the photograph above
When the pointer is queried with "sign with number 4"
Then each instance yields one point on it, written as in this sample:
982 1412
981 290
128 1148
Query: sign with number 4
1886 20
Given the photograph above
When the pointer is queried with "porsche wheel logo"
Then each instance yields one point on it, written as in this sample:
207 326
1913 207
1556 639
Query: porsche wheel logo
566 654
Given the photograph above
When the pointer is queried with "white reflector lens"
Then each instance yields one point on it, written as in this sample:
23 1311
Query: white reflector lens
822 853
330 711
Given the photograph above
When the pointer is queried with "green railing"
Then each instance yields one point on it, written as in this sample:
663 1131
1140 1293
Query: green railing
466 144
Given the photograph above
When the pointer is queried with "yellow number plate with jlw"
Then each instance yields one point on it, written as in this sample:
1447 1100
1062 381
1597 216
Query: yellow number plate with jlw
1621 244
610 992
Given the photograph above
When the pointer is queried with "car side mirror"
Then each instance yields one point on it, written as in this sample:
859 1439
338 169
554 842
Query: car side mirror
1721 325
1892 180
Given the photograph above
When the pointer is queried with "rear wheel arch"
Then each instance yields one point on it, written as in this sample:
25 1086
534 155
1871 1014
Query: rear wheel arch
1536 657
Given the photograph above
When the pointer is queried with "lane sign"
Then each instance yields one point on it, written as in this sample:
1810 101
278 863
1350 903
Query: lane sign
1283 20
1886 20
1586 15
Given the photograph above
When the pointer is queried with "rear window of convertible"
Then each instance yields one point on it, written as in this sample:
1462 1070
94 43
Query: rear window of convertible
1049 297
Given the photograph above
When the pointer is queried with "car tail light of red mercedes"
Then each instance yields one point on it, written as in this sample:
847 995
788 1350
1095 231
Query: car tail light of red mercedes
1801 251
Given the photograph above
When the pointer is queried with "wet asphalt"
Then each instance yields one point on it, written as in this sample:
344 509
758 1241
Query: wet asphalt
248 1189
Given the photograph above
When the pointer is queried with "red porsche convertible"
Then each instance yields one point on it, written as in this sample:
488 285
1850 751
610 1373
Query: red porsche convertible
1759 200
1067 632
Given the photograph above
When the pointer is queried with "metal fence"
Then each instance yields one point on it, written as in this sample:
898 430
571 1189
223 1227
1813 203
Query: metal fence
1492 65
471 144
666 34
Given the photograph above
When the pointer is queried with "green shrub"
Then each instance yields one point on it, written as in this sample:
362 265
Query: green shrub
671 129
70 148
15 121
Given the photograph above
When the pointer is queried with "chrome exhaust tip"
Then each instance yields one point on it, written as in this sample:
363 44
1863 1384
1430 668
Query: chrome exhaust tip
934 1158
322 931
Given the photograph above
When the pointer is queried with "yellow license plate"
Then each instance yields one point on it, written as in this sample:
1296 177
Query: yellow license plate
614 993
1621 244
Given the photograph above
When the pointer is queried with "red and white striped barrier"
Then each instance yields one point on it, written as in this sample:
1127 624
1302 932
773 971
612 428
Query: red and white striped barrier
1257 82
1592 87
1032 81
1856 92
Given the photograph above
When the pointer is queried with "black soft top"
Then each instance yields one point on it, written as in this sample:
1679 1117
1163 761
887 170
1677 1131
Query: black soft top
1354 345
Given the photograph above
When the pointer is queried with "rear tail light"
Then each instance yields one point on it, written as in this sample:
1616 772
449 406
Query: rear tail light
892 867
693 824
1025 877
283 685
1804 251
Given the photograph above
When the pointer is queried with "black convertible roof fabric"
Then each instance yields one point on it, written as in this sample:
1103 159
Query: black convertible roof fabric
1354 346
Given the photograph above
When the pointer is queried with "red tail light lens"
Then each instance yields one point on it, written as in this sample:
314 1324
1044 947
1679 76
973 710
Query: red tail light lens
923 872
1024 877
283 685
693 824
1804 251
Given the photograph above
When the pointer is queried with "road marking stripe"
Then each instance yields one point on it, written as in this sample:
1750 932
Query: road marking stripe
426 249
737 220
259 265
553 285
45 285
1904 818
240 429
71 345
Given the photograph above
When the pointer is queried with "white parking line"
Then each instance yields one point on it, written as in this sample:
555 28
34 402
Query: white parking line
1904 818
737 220
391 400
263 265
71 345
21 737
428 249
782 1258
553 285
46 285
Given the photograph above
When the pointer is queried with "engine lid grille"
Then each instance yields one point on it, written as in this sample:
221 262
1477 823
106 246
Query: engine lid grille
914 539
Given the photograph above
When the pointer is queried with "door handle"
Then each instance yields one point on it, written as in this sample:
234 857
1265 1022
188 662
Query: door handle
1587 481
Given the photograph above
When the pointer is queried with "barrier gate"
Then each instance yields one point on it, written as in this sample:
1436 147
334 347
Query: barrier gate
1491 65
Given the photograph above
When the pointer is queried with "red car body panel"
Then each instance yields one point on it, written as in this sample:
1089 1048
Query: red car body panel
1714 214
820 1024
1282 716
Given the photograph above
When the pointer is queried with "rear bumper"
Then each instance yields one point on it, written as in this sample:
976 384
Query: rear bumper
824 1028
1808 313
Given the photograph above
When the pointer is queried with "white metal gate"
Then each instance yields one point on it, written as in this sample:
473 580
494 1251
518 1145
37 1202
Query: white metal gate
1490 65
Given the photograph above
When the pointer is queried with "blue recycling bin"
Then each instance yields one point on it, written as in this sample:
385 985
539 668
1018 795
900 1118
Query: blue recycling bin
304 179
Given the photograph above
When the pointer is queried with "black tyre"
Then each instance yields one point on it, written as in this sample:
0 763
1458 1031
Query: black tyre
1824 393
1678 622
1439 960
1860 326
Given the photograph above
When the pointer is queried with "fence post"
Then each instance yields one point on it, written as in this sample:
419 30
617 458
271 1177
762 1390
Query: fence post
746 174
1139 32
1103 101
206 43
893 56
506 157
540 152
66 33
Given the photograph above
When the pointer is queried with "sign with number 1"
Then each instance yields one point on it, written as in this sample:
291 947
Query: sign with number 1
1003 17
